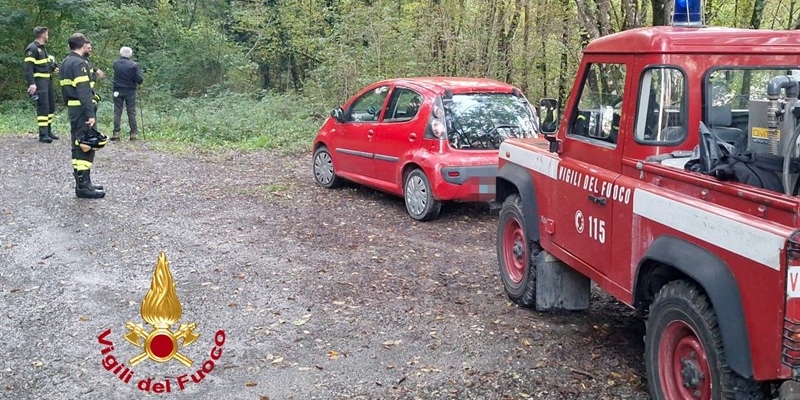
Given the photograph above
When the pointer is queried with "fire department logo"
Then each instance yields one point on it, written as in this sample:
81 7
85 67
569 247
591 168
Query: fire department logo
161 309
159 341
579 222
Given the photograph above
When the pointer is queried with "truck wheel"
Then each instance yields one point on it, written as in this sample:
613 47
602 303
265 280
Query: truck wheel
515 255
684 355
324 173
419 197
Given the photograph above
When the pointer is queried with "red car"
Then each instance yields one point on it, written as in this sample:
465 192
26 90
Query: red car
427 139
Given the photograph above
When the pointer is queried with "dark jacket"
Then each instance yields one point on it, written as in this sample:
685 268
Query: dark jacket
37 63
75 86
127 74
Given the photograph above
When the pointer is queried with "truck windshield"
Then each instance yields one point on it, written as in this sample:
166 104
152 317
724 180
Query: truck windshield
482 121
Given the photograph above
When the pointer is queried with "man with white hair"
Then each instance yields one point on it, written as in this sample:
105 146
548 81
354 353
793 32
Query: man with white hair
127 75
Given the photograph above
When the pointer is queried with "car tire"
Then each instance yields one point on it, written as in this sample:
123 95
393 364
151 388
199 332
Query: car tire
684 354
324 173
418 196
516 254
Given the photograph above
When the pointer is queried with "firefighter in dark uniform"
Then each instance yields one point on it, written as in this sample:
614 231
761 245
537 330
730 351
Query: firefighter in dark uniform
78 94
39 70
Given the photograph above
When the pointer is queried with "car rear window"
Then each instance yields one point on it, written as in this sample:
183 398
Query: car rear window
481 121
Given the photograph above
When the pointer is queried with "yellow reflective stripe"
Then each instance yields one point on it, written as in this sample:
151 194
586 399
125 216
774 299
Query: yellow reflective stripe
35 61
41 75
76 103
81 165
91 84
41 117
76 81
40 123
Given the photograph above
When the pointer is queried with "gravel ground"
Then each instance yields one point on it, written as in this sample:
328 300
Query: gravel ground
321 294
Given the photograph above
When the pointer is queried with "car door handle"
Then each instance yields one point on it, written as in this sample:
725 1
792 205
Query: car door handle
598 199
412 137
370 133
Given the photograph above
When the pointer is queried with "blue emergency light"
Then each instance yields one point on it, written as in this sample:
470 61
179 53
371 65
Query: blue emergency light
687 13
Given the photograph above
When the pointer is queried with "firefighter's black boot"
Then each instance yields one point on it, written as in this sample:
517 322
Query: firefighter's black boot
84 188
89 178
44 137
50 133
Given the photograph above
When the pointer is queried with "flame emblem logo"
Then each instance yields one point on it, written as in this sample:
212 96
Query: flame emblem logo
161 309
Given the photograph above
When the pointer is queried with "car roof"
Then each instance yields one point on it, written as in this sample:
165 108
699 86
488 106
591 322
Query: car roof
439 84
707 40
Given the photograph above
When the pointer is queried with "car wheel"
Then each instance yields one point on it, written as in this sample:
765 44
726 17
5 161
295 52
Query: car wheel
324 173
419 197
684 355
516 254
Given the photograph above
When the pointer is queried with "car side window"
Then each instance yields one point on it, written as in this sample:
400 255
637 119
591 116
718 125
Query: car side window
369 107
600 103
403 105
661 111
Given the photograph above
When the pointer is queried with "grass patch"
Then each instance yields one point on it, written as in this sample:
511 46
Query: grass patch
284 122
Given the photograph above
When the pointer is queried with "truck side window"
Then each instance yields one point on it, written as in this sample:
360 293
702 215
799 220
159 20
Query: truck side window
661 111
599 106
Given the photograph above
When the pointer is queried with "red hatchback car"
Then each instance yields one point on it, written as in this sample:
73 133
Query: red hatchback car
427 139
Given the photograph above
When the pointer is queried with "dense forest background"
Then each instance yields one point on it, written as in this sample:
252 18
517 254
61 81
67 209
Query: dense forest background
323 51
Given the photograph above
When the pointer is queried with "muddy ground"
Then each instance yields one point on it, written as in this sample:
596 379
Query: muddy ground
321 294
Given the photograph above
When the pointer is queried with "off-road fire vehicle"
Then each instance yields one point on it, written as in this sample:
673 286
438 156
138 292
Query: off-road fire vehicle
671 181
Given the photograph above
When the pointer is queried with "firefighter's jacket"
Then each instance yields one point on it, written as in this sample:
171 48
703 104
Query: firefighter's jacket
38 64
75 86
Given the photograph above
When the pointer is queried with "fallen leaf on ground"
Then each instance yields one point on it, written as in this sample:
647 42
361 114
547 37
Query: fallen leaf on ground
250 384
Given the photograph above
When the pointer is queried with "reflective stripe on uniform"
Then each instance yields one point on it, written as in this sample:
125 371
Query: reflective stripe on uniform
50 118
42 120
76 103
41 75
81 165
35 61
74 82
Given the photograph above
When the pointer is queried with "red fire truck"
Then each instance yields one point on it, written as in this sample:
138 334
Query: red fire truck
610 195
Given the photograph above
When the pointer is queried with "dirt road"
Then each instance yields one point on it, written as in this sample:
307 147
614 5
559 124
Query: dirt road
321 294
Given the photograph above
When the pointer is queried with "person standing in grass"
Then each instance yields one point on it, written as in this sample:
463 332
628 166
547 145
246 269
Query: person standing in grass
39 68
127 76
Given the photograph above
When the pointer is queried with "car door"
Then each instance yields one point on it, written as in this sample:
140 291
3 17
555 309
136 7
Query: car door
353 141
590 165
399 134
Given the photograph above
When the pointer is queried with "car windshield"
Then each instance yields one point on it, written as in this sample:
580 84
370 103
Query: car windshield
482 121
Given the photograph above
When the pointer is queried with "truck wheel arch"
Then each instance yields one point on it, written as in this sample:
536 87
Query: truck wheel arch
512 178
670 258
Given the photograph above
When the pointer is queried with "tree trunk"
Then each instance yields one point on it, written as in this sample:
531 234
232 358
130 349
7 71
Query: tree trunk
564 80
505 45
526 36
661 12
755 23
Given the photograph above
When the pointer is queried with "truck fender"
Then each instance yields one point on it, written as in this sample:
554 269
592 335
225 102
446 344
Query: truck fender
514 178
716 279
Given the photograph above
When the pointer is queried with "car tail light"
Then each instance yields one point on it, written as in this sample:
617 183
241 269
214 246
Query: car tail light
437 124
791 321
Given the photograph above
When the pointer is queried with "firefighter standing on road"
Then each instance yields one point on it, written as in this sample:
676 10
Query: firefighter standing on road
39 68
78 94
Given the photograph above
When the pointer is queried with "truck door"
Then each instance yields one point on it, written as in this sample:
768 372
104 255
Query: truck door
591 163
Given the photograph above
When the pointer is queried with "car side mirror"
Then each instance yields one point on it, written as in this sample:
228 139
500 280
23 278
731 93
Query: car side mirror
337 114
548 110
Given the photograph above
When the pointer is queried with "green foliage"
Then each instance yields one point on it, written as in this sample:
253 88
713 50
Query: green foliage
226 120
